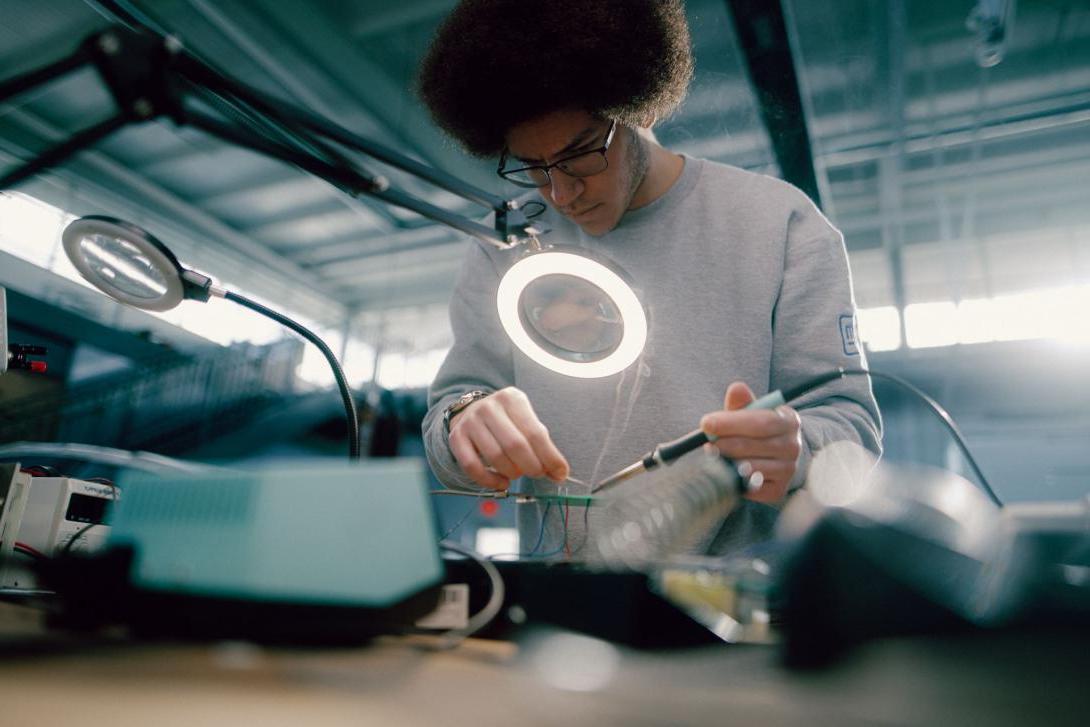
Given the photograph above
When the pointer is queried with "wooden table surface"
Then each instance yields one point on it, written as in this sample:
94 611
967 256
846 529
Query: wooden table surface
547 678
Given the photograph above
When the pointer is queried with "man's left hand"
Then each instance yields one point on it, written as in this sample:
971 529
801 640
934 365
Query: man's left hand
764 444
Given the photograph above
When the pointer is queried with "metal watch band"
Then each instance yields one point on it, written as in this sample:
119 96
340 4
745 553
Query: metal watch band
461 403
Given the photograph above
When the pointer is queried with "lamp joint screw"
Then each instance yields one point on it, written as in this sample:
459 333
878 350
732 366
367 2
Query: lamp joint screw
511 204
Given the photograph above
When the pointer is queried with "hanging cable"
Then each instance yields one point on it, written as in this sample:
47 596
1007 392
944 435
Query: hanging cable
482 618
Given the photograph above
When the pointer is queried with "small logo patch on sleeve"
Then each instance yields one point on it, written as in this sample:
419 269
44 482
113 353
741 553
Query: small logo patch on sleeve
848 335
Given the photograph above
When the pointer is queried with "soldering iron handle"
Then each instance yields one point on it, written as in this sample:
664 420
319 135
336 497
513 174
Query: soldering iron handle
669 451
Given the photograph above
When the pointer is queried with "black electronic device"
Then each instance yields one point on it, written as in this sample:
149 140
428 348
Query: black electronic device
924 551
617 605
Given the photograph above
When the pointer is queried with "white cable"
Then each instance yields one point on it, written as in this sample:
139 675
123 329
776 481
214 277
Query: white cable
483 617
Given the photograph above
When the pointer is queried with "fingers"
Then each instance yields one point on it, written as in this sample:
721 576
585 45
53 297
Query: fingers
738 396
492 453
765 446
470 461
537 435
750 423
766 479
503 431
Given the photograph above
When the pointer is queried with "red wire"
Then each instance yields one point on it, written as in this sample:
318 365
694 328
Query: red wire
29 550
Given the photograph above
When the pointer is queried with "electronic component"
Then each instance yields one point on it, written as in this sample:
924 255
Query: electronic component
45 516
16 358
331 553
14 355
63 513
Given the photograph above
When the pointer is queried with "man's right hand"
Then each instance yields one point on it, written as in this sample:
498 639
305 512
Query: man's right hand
499 438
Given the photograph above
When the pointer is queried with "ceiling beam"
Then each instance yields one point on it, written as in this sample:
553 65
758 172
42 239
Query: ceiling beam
891 164
766 51
270 64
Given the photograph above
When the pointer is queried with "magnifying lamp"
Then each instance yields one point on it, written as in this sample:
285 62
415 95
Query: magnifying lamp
132 266
571 312
564 309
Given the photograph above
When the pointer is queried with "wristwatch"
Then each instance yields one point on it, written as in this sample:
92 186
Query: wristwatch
461 403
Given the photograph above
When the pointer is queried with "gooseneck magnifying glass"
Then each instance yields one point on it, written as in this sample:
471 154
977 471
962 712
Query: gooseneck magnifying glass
132 266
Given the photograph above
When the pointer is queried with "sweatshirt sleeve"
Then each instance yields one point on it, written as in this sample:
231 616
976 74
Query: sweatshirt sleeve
814 331
480 359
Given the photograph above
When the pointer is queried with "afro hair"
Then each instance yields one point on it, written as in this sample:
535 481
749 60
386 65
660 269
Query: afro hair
497 63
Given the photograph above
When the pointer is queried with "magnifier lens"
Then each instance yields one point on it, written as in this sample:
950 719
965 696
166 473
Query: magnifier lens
571 317
125 262
121 265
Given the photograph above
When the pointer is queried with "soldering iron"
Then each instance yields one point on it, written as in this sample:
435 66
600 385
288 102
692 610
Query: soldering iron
667 452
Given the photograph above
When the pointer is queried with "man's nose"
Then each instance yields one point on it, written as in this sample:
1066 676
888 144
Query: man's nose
563 189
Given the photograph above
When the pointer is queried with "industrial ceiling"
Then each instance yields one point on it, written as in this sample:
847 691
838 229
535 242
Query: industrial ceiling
948 178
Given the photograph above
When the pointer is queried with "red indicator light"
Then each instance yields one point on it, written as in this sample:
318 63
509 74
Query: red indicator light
489 508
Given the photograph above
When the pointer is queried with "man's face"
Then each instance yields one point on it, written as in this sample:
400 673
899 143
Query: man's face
595 203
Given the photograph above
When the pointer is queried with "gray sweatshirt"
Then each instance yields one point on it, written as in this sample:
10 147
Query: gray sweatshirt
744 280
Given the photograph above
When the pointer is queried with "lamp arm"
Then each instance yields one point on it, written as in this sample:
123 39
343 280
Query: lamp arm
349 180
44 74
57 154
143 72
202 74
351 415
511 224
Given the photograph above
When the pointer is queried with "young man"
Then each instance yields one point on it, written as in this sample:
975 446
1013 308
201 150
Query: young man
746 282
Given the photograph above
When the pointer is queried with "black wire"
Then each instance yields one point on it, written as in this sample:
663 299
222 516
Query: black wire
541 532
458 524
539 208
351 416
586 531
935 407
76 536
532 553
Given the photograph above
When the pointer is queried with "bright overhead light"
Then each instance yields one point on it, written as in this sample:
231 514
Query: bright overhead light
572 314
928 325
880 328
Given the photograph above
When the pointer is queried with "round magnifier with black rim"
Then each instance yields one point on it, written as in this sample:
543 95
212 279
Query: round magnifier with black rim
132 266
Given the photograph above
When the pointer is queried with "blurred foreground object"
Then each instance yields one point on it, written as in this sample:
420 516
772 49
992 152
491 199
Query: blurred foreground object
921 550
316 554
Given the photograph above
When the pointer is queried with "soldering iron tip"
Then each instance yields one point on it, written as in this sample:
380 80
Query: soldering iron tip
624 474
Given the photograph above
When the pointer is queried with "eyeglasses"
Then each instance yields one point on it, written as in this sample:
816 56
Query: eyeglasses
583 164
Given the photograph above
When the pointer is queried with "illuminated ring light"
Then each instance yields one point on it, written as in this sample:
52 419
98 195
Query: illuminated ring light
555 262
156 254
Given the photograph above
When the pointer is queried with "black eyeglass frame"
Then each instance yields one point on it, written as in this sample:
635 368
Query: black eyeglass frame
558 164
